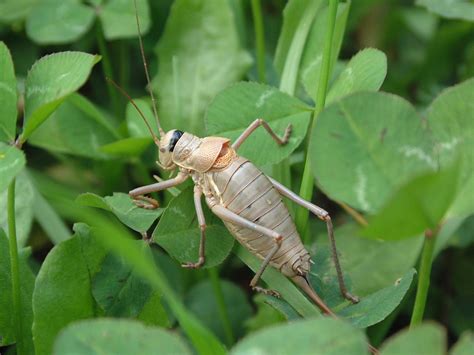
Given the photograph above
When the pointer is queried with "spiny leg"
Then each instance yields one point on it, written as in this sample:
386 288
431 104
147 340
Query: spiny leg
323 215
260 122
229 216
202 226
150 203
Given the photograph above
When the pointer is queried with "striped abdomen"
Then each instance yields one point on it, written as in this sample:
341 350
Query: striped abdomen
246 191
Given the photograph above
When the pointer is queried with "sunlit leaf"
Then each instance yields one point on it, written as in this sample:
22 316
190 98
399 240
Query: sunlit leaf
424 339
361 156
316 336
112 336
457 9
50 81
8 95
365 71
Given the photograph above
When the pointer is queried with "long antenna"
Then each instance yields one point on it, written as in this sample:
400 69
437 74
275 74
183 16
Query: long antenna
145 65
124 93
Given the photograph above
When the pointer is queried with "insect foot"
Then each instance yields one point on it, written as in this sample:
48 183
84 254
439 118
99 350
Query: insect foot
145 202
194 265
287 134
350 297
266 291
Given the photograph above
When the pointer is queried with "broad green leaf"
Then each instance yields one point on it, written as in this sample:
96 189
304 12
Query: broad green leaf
199 55
179 234
418 205
450 119
24 197
377 306
298 17
77 127
365 71
27 281
370 264
154 313
455 9
118 337
118 18
49 219
12 161
127 147
361 156
427 338
201 300
14 10
8 95
120 242
464 345
63 290
125 210
58 21
135 124
118 290
276 281
267 313
310 68
50 80
234 109
315 336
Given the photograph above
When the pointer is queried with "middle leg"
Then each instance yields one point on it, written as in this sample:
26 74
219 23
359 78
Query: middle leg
257 123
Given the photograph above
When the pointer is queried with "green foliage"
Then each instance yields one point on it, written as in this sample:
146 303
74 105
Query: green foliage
7 319
58 21
12 161
399 162
461 9
50 81
8 95
315 336
242 104
122 206
199 55
117 337
424 339
178 233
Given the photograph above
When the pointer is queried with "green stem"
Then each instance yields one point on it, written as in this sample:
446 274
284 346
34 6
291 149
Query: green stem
306 190
423 278
107 68
14 265
221 307
259 39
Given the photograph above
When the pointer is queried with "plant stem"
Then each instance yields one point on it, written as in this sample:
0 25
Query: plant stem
423 278
14 265
107 68
259 39
221 307
306 190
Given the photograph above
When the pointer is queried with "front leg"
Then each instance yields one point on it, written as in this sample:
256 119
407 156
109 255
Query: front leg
149 203
323 215
202 226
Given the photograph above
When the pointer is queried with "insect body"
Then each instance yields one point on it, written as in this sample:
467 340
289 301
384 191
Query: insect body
249 203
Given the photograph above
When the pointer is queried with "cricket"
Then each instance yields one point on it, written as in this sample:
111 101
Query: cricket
249 203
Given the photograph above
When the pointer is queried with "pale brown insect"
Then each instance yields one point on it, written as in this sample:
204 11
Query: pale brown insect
248 202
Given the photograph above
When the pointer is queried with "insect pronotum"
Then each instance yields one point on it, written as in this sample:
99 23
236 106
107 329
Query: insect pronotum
243 197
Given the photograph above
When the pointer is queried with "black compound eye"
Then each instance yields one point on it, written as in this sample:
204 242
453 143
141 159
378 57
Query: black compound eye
174 139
